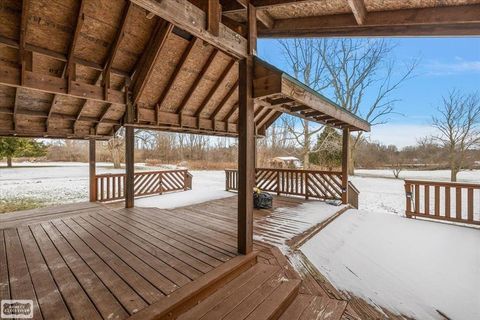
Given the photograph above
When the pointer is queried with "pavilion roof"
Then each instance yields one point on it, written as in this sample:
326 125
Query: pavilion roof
65 67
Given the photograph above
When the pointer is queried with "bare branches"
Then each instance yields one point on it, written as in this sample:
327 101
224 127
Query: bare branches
458 124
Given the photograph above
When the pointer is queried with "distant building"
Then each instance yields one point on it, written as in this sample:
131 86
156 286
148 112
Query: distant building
286 163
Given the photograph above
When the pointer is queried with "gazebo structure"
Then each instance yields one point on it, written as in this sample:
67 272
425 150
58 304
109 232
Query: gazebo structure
83 69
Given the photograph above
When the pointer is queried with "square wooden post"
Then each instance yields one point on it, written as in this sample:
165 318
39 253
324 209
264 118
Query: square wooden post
92 169
345 161
129 166
129 151
246 141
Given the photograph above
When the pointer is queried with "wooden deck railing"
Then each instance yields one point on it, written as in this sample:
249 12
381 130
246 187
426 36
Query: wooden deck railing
111 187
325 185
449 201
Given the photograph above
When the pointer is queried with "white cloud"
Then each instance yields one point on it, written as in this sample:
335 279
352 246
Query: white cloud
401 135
458 66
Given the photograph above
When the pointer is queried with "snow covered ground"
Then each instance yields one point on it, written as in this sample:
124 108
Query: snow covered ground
410 266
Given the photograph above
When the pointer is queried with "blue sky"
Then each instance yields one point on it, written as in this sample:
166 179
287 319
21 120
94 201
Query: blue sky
444 64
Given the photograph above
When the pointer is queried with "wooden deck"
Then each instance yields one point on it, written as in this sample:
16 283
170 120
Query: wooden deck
106 262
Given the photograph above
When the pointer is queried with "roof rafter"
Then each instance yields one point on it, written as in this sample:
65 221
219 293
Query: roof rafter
215 87
197 80
70 73
22 57
158 40
178 68
358 10
224 100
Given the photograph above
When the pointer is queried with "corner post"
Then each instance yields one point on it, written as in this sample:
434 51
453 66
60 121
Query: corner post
129 154
92 169
246 140
345 157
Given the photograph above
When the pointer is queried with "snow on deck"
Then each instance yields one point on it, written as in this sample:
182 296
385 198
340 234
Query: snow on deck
409 266
206 186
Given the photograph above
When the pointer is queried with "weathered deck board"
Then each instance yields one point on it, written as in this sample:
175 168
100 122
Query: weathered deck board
105 261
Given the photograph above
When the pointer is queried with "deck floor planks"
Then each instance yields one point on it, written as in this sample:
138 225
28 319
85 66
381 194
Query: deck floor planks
170 273
149 273
143 287
49 297
187 254
140 239
102 298
21 286
127 296
145 253
4 283
75 297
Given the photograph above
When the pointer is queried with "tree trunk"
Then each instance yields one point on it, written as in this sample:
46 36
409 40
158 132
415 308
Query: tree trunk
306 160
9 161
453 174
351 161
116 158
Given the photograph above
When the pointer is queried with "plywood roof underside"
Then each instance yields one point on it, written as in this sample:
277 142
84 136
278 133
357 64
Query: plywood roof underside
324 18
65 67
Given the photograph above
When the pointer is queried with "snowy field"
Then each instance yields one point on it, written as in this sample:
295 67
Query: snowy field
409 266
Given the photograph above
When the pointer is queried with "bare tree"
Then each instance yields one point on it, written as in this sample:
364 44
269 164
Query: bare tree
358 73
458 124
303 60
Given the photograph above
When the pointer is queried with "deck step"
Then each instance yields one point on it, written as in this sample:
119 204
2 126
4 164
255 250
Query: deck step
306 307
191 294
261 292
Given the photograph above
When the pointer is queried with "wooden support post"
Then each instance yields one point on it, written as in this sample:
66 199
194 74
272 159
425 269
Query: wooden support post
92 170
129 166
345 160
246 142
129 154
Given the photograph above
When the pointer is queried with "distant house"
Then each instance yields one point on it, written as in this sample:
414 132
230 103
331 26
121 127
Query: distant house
286 162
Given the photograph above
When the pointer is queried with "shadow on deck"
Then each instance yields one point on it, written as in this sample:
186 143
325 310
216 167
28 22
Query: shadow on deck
107 262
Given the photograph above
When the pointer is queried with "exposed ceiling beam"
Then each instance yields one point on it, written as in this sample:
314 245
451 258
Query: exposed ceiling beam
176 71
70 73
231 112
114 47
40 82
259 4
224 100
438 21
192 19
358 10
159 38
197 80
55 115
215 87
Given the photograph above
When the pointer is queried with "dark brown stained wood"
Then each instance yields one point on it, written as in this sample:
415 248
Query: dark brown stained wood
224 100
299 108
214 12
92 170
192 19
104 301
4 282
433 21
23 36
20 281
214 89
70 72
195 83
159 38
39 82
427 199
129 166
359 10
189 295
125 294
246 165
74 296
178 68
345 162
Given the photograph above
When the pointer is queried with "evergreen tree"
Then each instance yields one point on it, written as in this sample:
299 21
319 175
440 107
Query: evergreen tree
11 147
328 149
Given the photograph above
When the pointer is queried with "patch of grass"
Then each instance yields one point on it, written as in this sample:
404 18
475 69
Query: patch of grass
17 204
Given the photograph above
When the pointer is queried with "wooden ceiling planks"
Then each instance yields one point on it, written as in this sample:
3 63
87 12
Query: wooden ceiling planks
84 52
